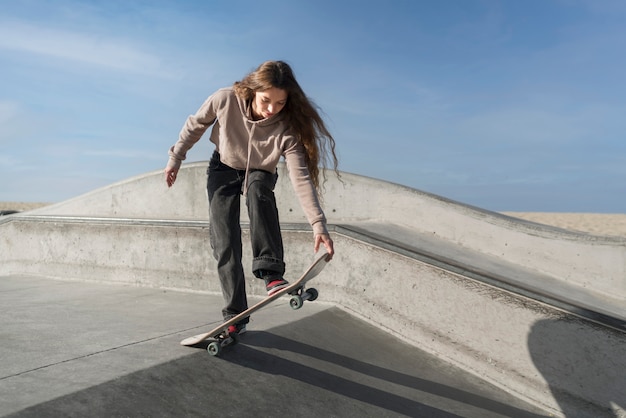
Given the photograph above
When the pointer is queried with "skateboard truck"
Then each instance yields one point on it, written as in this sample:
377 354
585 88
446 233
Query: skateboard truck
297 298
215 347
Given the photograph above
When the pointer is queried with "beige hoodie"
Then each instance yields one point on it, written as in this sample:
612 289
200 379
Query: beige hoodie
246 144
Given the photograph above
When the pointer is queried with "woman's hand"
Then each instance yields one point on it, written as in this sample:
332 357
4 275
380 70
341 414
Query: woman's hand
170 175
328 243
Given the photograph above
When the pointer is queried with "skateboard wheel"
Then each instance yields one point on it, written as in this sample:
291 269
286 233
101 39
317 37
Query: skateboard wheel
313 294
296 302
214 348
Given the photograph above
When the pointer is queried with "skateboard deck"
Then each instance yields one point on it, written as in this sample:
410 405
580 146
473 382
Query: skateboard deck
220 336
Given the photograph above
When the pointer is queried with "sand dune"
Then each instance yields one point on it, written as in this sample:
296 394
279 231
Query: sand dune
610 224
21 206
592 223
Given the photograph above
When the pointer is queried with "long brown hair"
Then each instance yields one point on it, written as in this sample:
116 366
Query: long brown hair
301 114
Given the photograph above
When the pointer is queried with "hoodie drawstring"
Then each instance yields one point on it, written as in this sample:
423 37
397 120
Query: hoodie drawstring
250 136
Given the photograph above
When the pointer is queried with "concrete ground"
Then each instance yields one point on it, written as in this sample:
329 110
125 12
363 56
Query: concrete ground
78 349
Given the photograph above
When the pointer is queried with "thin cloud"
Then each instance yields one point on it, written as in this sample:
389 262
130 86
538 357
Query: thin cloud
127 154
8 111
111 54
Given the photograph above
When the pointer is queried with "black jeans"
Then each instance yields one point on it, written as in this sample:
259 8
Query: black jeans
224 186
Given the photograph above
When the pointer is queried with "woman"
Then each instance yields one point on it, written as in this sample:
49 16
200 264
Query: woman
255 122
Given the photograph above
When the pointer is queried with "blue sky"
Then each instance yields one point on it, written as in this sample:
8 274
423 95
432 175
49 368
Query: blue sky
501 104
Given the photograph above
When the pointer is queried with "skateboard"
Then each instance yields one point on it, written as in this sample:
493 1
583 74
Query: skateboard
219 337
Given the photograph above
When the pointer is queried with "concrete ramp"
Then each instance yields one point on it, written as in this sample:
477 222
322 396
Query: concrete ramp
100 350
595 266
537 311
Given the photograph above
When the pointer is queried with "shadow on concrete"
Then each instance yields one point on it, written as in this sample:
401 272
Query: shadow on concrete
291 371
352 389
573 365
